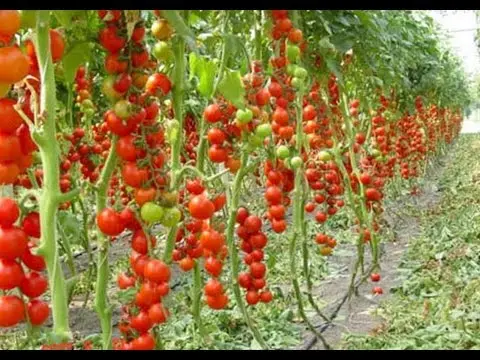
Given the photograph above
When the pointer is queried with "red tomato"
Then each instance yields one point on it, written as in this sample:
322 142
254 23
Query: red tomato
11 274
109 222
13 242
9 212
200 207
38 311
33 284
12 310
31 224
157 271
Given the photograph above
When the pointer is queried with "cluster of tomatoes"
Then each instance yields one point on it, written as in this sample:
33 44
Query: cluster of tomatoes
146 310
253 242
15 65
204 239
15 278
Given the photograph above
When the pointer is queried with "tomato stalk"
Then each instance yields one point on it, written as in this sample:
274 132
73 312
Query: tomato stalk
232 249
102 305
178 93
51 197
298 206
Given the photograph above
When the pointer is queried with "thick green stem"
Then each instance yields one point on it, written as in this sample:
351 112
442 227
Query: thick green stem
258 35
102 305
178 93
298 220
49 200
233 252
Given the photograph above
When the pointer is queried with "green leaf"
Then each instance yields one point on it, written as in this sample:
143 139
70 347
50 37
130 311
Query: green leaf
77 56
175 20
64 17
207 72
193 64
71 226
335 68
231 87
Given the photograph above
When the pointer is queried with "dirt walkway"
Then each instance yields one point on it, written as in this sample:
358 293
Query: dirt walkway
356 316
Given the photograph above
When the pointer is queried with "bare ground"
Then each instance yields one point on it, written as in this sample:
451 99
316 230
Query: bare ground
357 315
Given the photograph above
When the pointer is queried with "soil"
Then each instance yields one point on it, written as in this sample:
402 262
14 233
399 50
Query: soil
357 314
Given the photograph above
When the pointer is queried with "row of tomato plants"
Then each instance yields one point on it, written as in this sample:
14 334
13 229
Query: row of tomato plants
309 148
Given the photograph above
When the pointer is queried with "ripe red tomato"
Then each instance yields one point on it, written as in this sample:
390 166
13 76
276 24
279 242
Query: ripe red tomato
12 310
258 241
217 154
242 215
200 207
124 281
213 287
157 271
10 120
216 136
15 65
109 222
38 311
266 296
279 226
375 277
13 242
143 342
157 313
141 322
139 242
9 212
33 284
57 45
158 84
280 116
195 186
110 39
32 261
187 263
217 302
212 113
253 224
252 297
31 224
219 201
212 240
213 266
257 270
11 274
134 176
10 148
273 195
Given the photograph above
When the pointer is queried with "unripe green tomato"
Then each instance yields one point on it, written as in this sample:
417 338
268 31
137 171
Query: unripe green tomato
256 141
244 117
171 217
325 155
151 213
297 83
296 162
87 104
282 152
108 89
293 52
263 130
27 18
173 128
291 69
161 51
122 109
376 153
89 112
300 73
